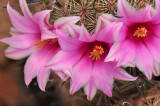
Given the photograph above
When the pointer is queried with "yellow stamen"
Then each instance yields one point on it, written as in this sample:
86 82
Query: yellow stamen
140 32
40 44
97 51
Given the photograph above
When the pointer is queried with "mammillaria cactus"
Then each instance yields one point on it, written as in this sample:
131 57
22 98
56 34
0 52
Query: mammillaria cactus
90 44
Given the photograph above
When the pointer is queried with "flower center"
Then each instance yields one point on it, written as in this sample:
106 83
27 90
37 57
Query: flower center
40 44
140 32
53 41
97 52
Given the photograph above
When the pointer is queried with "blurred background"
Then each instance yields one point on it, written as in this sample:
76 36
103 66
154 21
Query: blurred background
13 91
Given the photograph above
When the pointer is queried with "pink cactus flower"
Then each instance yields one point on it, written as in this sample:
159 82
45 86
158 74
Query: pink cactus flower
82 58
138 42
30 38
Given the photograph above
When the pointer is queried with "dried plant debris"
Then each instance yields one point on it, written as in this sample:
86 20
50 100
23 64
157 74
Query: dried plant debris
152 98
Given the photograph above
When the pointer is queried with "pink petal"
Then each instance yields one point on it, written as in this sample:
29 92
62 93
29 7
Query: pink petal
153 46
144 60
107 34
25 9
61 75
66 20
72 29
82 71
156 29
155 18
64 61
47 20
21 23
157 5
90 89
122 52
22 41
67 42
121 74
130 64
103 77
35 65
120 34
46 34
128 12
145 13
103 20
85 36
39 17
42 78
14 32
16 54
156 69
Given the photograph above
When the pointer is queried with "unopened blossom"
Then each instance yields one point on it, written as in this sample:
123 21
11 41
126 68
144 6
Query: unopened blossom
82 58
138 41
30 38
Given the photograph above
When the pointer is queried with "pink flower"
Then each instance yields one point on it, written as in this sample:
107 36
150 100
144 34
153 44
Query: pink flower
138 42
82 58
30 38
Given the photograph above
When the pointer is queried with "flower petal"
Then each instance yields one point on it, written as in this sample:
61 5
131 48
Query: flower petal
25 9
85 36
131 64
21 23
156 29
120 33
121 74
46 34
90 89
21 41
39 17
107 34
36 62
16 54
156 69
153 45
103 77
14 32
61 75
72 29
81 74
156 15
122 52
103 20
64 61
42 78
67 42
144 60
66 20
128 12
145 14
